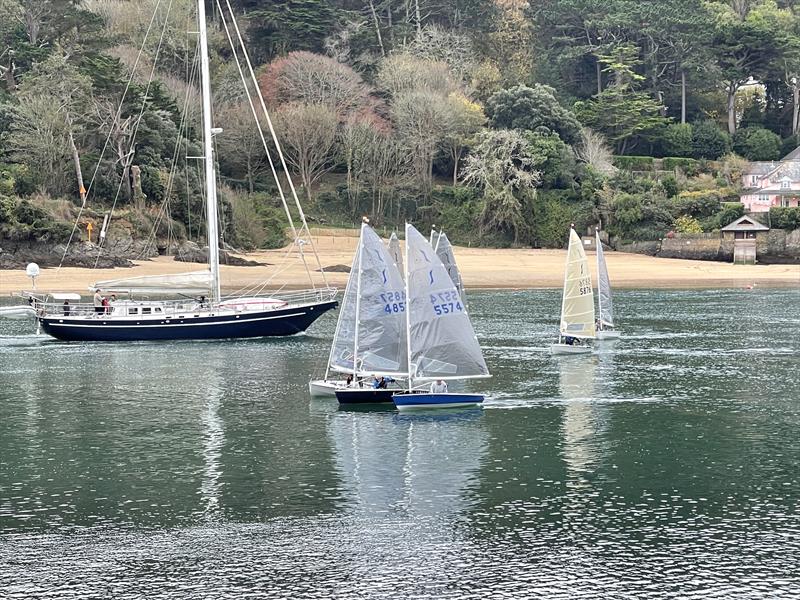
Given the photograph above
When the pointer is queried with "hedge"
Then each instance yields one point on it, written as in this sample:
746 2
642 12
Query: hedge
687 165
634 163
785 217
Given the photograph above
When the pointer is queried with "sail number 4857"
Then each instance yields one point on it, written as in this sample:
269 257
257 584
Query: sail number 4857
394 302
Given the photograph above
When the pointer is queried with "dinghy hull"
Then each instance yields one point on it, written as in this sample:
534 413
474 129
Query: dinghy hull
324 387
569 349
423 400
365 396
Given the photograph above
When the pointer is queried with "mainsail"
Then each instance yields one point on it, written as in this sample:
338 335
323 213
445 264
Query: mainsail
603 287
196 282
442 343
577 305
444 250
370 335
395 253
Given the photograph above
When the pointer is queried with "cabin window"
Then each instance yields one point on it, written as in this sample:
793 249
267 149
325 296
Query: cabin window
158 310
133 311
146 311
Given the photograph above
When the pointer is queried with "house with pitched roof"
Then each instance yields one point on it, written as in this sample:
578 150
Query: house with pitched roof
768 184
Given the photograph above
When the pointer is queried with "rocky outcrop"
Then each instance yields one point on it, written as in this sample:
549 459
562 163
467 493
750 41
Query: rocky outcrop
191 252
16 255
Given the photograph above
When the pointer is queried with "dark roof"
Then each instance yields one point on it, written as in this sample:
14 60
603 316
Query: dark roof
745 223
793 155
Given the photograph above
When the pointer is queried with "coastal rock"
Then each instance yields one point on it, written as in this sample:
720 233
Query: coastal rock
191 252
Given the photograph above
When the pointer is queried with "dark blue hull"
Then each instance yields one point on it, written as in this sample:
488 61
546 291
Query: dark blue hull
365 396
406 401
283 322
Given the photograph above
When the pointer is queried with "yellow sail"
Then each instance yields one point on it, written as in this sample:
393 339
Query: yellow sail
577 307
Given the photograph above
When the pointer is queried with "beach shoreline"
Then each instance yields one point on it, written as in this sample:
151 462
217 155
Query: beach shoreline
481 268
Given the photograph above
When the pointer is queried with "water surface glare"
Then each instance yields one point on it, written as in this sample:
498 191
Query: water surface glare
665 465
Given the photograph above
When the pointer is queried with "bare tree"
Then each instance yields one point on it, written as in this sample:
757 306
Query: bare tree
38 138
307 134
465 120
240 143
421 120
400 73
315 80
503 165
595 152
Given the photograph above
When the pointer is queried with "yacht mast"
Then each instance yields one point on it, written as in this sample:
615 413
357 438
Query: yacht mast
208 154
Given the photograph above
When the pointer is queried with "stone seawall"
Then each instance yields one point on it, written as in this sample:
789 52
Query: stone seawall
776 246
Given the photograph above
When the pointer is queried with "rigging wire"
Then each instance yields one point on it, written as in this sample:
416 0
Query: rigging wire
108 137
141 113
280 152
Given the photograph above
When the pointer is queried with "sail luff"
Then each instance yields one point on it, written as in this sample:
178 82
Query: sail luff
358 298
605 304
407 289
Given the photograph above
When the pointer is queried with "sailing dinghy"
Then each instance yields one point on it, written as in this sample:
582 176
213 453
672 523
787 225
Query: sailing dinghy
369 342
441 341
605 318
577 303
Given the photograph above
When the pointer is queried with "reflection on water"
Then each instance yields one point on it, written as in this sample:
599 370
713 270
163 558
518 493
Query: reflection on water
576 378
662 466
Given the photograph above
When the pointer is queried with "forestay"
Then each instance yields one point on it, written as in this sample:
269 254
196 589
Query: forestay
442 342
603 287
370 336
444 250
196 282
577 308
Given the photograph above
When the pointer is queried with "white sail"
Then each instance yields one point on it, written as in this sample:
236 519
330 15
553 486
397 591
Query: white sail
194 283
605 305
577 306
441 340
444 250
370 337
396 254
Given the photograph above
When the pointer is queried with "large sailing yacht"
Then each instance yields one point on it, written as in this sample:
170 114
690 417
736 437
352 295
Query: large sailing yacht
197 310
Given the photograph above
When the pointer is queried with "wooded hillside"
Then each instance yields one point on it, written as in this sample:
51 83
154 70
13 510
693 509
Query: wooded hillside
503 121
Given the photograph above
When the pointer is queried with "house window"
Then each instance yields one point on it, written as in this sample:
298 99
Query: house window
763 199
753 180
785 183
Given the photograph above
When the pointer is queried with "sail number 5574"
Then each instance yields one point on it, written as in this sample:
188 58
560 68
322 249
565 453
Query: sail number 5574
446 302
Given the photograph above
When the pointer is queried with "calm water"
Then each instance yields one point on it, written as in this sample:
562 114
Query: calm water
665 465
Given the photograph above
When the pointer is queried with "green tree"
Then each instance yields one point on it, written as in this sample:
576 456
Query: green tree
709 141
534 109
757 143
677 140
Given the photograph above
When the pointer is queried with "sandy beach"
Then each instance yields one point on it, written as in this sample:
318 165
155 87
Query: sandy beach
480 267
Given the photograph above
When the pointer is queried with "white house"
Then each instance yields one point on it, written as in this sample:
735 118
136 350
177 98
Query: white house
768 184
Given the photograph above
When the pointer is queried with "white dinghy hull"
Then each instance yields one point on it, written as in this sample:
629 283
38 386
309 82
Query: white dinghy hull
23 311
569 349
324 387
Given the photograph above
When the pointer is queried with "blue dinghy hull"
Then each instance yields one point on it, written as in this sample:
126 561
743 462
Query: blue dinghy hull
364 396
429 400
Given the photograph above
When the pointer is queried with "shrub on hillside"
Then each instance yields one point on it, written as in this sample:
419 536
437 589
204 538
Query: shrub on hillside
676 140
784 217
687 224
709 141
757 143
688 165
